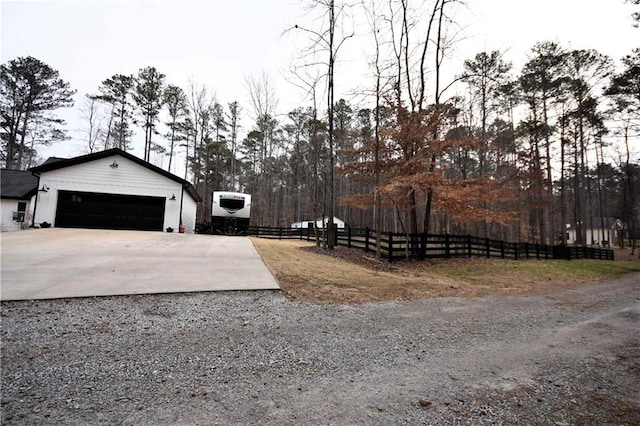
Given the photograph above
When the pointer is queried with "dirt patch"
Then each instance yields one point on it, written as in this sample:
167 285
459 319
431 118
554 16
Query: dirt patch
307 272
625 255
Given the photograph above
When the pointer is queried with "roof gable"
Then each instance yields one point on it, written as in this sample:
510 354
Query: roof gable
57 163
17 184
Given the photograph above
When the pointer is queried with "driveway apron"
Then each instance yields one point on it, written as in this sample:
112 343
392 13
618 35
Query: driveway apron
60 263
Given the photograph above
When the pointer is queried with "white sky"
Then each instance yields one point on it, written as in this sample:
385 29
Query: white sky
220 42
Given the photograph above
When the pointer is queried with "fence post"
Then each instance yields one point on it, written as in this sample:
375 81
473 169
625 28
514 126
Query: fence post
515 246
390 248
412 246
447 246
487 245
366 239
469 245
426 244
526 249
349 236
537 250
502 249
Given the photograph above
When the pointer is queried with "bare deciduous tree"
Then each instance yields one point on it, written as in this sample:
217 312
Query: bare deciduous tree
91 114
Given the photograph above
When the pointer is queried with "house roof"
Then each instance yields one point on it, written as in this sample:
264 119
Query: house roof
53 160
55 163
17 184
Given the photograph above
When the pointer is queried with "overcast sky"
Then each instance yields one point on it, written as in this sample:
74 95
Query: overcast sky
221 42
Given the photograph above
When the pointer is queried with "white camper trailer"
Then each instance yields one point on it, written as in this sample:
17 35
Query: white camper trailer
230 213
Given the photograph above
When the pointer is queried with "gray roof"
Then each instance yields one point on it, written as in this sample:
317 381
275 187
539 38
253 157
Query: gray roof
51 160
17 184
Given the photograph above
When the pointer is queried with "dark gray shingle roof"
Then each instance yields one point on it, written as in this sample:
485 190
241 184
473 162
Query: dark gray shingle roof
18 184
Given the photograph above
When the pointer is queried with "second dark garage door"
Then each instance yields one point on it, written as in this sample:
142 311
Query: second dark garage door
109 211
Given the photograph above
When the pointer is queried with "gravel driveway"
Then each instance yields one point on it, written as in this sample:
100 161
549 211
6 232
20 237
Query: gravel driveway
571 357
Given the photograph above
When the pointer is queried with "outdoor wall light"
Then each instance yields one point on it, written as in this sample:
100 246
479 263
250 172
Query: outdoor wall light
173 197
114 165
44 188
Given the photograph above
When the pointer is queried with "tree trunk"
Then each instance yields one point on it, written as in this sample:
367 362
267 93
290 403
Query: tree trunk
331 230
563 194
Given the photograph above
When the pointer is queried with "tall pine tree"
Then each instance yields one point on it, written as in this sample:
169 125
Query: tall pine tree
29 91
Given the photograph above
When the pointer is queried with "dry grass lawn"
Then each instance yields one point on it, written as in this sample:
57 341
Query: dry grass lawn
343 275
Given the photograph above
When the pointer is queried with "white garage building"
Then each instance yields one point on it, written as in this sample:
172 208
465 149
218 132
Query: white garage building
112 189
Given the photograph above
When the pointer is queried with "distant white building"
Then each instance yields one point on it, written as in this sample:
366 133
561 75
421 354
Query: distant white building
318 223
609 235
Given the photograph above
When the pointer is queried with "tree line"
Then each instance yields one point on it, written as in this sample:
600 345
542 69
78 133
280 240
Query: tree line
514 155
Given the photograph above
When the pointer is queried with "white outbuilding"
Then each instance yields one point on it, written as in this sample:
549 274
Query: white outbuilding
112 189
319 223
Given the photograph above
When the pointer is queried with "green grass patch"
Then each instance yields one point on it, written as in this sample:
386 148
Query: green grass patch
595 269
485 271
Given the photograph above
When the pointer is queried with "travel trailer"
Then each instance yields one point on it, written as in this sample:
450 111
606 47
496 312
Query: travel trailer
230 213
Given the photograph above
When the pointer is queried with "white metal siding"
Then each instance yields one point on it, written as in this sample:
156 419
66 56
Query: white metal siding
593 236
189 213
128 178
7 207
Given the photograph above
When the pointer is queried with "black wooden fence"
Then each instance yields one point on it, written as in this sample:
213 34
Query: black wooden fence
395 246
424 246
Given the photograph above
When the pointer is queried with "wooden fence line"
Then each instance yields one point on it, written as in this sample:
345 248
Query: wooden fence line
395 246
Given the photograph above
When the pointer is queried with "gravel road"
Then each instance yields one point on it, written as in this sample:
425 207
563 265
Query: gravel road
571 357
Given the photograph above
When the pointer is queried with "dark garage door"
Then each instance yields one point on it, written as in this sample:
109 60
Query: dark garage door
109 211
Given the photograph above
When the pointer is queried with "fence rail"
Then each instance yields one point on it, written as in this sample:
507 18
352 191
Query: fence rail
396 246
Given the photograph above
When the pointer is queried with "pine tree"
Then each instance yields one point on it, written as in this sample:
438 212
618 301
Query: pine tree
29 91
176 102
148 97
116 93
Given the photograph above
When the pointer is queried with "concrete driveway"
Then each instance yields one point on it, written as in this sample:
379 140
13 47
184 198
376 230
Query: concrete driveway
59 263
